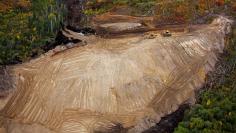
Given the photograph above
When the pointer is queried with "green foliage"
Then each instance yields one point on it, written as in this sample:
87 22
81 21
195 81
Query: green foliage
46 17
96 11
216 111
14 36
23 33
143 6
180 11
94 8
139 6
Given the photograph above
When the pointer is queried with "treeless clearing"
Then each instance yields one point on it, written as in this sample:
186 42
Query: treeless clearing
131 81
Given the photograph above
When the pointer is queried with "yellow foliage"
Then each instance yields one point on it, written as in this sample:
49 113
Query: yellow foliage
208 102
6 5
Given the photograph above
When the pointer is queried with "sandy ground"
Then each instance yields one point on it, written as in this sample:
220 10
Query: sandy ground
133 81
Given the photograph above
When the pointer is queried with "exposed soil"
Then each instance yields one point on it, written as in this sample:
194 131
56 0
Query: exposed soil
170 122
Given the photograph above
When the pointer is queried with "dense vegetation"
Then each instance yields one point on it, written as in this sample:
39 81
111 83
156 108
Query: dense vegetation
141 6
28 25
215 111
180 11
23 32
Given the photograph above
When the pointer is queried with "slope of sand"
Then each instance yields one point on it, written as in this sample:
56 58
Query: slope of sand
130 81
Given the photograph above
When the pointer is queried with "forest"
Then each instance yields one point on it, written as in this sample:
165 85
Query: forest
29 26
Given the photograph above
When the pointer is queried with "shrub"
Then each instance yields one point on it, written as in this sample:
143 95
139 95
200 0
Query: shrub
24 32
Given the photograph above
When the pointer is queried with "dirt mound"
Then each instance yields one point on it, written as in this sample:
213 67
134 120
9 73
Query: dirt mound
129 82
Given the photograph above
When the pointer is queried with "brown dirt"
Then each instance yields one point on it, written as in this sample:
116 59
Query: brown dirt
6 5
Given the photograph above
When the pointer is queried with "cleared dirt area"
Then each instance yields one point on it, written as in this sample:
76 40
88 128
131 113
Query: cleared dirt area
129 82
